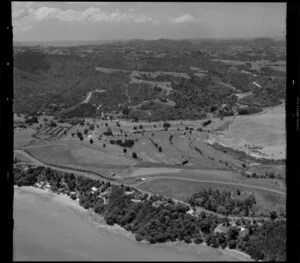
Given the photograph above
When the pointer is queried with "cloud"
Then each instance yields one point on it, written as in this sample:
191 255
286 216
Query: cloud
68 15
183 19
89 14
89 3
17 13
118 16
24 19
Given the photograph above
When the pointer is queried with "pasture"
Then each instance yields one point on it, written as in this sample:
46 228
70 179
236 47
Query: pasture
182 190
80 155
23 137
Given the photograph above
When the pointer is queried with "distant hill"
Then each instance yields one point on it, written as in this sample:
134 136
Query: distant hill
58 82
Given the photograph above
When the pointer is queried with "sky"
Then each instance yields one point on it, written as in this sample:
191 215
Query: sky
67 21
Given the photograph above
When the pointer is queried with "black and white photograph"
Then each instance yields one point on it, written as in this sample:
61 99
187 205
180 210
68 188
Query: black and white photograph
149 131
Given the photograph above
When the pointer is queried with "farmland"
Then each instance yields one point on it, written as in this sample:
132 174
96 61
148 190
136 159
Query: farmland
166 121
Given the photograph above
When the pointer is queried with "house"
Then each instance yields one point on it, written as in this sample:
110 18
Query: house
136 200
129 192
191 211
157 203
94 189
220 229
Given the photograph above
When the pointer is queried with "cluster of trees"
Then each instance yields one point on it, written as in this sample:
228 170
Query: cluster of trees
166 125
205 123
31 119
156 145
80 111
79 135
171 138
249 110
127 142
224 202
167 222
75 121
108 132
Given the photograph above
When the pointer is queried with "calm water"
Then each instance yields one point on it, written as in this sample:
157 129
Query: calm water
47 229
267 130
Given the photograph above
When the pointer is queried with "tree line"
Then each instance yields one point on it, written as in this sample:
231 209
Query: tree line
166 222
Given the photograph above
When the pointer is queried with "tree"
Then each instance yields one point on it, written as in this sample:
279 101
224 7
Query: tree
108 132
160 149
134 155
124 150
91 141
273 215
233 233
53 123
166 125
32 119
232 244
125 111
85 131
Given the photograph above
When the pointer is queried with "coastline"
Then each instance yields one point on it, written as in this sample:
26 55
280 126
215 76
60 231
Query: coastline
98 222
222 137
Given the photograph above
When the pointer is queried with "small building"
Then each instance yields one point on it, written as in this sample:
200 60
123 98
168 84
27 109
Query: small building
128 192
191 211
136 200
94 189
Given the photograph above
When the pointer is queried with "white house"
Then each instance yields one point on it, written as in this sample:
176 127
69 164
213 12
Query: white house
94 189
191 211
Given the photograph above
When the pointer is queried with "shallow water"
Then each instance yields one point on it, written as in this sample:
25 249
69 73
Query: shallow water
267 130
47 229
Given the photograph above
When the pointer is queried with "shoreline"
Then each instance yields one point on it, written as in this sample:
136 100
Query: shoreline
215 138
116 229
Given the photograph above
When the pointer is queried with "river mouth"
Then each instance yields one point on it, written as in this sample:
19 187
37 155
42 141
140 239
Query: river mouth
50 227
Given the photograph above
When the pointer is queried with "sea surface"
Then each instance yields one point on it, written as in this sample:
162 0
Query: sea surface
265 129
47 228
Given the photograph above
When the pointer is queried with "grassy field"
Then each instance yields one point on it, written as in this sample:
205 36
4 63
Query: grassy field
179 189
23 137
210 175
78 153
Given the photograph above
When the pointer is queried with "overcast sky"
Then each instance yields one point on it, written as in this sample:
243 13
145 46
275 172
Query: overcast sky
52 21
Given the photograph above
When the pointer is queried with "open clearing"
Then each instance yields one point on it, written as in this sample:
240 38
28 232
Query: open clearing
23 137
183 189
77 154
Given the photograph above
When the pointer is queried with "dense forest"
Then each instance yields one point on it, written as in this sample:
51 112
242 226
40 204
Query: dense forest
168 221
224 202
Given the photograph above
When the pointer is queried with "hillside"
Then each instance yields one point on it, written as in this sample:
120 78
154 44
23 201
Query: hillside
154 79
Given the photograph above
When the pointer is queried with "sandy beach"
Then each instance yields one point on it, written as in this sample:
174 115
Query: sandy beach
54 227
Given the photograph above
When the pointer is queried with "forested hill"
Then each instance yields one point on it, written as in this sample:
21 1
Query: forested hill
152 80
